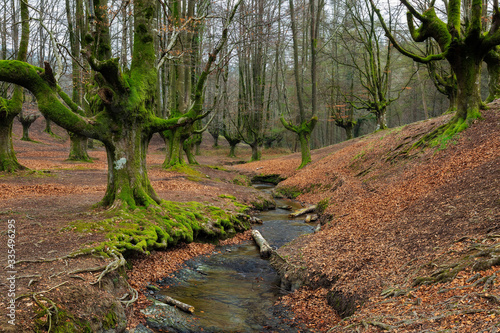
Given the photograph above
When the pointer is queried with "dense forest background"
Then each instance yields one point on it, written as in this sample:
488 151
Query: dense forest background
264 70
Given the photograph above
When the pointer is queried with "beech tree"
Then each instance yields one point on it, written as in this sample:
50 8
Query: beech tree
370 58
182 69
125 120
306 125
10 108
76 29
462 41
443 78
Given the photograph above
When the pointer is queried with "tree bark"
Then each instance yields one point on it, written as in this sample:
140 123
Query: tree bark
78 148
256 152
8 160
172 301
264 247
128 181
468 72
9 109
492 60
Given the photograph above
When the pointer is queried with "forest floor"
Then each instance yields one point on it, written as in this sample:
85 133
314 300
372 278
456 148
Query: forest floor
391 217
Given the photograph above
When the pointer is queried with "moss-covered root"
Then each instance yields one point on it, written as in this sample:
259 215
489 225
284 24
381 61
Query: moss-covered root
55 317
444 133
481 259
159 227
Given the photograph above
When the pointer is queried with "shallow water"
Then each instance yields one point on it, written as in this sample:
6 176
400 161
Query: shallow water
234 290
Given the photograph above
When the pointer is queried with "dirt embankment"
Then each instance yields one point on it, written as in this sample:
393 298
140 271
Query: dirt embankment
398 222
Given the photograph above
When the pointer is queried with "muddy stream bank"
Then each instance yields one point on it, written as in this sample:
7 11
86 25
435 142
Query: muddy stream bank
232 290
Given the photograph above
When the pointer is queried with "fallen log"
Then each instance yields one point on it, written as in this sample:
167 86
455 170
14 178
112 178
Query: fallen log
265 248
303 211
172 301
311 218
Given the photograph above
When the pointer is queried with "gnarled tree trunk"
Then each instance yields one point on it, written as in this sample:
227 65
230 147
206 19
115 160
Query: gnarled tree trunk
78 148
8 160
128 181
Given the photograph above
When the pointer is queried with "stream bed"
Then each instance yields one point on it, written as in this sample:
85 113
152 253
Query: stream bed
234 290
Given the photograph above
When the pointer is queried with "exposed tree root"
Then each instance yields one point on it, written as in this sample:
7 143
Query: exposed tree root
397 323
482 258
41 292
476 296
118 262
72 255
52 312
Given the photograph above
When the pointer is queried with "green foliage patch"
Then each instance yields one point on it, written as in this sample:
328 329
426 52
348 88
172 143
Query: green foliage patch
159 227
291 192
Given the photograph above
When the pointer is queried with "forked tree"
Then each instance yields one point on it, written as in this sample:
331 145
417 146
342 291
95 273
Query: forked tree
10 108
463 41
306 125
125 120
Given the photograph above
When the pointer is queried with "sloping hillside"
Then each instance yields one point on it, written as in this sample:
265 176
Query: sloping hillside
397 219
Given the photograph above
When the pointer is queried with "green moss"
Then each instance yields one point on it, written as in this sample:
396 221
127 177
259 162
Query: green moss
263 204
192 174
60 320
227 196
273 178
444 134
322 205
291 192
242 180
142 230
216 167
358 156
109 320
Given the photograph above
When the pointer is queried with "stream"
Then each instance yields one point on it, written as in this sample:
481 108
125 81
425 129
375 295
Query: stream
234 290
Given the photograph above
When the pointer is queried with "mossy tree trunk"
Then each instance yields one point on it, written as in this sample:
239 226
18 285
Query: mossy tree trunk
348 127
380 115
468 71
188 147
26 121
492 60
126 121
8 159
9 109
180 85
78 144
128 181
256 151
48 127
174 151
232 149
26 131
232 138
304 133
78 148
305 128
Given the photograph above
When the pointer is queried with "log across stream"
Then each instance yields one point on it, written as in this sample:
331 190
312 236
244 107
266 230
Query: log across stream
231 291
